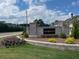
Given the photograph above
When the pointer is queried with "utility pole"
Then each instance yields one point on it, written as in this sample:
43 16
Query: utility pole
26 27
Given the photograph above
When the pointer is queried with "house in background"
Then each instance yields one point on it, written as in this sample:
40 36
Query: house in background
55 29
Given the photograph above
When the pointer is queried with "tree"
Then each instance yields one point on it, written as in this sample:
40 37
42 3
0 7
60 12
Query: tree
36 21
39 22
8 27
75 28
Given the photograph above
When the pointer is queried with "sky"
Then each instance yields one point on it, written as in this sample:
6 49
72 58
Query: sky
14 11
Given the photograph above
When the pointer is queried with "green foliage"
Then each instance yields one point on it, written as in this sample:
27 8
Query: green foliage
63 35
75 29
8 27
52 40
40 22
70 40
24 34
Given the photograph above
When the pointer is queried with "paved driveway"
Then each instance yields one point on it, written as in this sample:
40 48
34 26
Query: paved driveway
9 34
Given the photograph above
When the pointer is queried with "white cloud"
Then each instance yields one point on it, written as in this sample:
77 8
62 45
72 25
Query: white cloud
44 0
28 1
73 3
8 10
37 12
76 3
41 11
8 1
35 2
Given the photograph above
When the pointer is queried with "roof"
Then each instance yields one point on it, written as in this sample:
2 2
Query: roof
67 22
70 19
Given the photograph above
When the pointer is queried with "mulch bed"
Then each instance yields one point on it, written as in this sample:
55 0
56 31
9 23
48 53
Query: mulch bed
59 40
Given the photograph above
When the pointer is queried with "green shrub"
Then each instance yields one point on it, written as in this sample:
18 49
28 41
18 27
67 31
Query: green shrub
70 40
62 35
52 40
25 35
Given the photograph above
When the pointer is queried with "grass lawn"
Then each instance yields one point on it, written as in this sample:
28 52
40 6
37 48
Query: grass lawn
36 52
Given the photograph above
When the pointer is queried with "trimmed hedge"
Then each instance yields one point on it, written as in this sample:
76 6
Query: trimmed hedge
52 40
70 40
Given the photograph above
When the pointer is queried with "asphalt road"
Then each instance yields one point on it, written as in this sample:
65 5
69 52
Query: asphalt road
9 34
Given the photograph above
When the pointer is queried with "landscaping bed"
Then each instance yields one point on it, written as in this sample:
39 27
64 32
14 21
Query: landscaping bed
11 41
59 40
28 51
